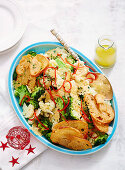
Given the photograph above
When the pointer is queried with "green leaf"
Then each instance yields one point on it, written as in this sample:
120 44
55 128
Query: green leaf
60 63
14 75
33 53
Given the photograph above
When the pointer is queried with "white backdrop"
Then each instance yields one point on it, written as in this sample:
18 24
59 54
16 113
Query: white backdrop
81 23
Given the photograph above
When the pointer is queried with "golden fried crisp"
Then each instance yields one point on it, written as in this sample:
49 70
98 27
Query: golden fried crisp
26 79
101 126
23 64
70 138
102 113
32 82
79 144
80 125
64 133
38 64
99 98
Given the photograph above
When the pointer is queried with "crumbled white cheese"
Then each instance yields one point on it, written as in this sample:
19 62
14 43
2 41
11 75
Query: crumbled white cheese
28 111
47 107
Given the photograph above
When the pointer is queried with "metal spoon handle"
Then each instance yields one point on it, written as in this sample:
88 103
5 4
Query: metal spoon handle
59 38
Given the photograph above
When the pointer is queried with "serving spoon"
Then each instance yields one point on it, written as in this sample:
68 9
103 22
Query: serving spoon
100 77
102 86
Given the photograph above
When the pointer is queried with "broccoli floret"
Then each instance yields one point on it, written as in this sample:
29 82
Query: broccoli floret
61 106
71 68
72 114
72 61
20 92
59 101
81 97
38 91
46 122
52 57
101 139
34 103
47 136
33 53
14 75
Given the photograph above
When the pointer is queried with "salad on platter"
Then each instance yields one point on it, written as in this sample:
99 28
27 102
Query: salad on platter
63 99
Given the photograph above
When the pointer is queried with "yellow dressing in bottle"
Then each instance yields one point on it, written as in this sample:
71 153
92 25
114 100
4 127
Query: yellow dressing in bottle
105 53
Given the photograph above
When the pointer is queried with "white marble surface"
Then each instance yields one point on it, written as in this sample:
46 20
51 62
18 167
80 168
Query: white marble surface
80 22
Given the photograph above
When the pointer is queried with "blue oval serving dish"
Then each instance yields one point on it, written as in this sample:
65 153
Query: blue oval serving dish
42 47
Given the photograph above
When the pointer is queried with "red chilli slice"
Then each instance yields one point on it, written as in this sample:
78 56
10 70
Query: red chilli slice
65 106
49 91
46 128
83 114
32 118
71 64
93 74
85 117
63 117
62 99
69 88
38 81
91 77
60 55
90 68
80 66
26 100
60 86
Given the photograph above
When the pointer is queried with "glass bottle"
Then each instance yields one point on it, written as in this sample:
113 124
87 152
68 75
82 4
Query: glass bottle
105 52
